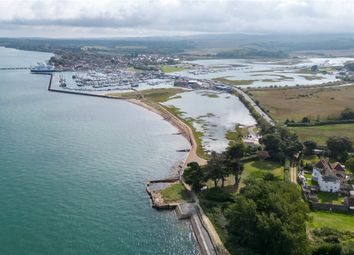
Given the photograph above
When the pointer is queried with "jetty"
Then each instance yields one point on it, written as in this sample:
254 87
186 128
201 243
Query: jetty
13 68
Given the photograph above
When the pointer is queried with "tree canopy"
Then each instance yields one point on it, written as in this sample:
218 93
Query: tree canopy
349 164
339 147
269 218
194 175
310 146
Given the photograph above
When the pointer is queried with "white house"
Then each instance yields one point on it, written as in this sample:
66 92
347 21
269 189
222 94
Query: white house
328 175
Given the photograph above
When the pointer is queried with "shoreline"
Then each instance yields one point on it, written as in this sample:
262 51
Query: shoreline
200 220
185 130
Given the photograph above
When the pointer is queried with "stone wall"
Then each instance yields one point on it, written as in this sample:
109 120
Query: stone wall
329 207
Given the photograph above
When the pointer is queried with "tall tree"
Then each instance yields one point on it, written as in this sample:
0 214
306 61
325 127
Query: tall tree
273 144
310 146
339 147
347 114
216 168
234 154
194 175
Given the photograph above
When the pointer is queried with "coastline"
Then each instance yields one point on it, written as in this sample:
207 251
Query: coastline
185 130
192 156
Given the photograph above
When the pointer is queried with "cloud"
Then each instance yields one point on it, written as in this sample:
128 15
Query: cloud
116 17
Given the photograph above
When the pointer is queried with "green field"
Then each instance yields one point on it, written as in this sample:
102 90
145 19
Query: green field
176 193
258 169
331 198
343 222
320 134
170 69
255 169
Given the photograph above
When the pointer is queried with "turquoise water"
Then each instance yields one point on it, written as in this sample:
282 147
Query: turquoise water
73 171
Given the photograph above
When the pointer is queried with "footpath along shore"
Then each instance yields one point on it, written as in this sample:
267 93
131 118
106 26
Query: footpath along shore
208 240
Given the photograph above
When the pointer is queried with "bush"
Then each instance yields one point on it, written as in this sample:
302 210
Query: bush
216 194
328 249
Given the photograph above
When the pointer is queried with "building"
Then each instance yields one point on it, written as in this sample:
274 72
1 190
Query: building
328 176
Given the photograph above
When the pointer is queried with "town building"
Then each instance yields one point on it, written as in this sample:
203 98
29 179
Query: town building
328 176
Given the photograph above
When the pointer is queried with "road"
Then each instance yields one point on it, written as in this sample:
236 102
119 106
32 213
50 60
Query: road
255 106
252 137
293 172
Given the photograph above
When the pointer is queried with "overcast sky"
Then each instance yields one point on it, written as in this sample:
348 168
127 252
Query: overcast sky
111 18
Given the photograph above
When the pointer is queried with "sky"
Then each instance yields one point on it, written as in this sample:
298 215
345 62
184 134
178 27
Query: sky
116 18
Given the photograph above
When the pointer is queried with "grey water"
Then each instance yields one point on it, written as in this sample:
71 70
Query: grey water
268 73
213 115
73 171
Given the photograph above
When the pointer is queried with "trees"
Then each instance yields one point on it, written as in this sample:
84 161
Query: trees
281 143
216 168
233 155
269 218
349 164
347 114
291 145
310 146
194 175
273 143
306 120
339 147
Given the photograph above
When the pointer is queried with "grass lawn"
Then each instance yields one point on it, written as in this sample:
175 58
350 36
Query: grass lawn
170 69
259 168
296 103
343 222
320 134
327 197
313 159
176 193
310 181
256 169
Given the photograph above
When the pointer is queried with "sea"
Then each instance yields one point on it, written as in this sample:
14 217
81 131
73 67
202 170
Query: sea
73 171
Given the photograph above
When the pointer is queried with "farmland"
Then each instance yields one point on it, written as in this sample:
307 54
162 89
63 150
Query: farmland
296 103
320 134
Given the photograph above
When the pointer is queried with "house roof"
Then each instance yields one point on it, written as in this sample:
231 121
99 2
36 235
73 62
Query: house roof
337 167
330 171
326 167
